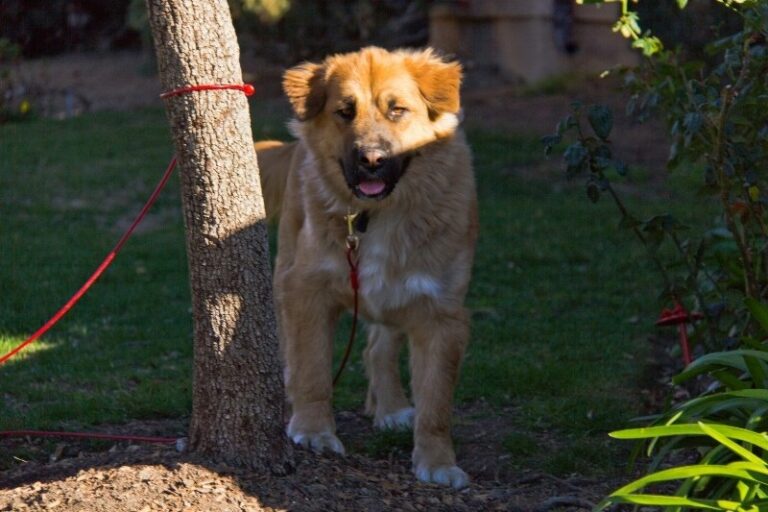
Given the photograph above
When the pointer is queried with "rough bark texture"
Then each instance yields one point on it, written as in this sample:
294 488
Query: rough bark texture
238 402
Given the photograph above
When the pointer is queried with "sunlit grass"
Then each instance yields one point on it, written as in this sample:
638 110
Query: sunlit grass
8 343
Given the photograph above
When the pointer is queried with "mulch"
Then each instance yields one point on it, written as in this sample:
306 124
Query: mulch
146 478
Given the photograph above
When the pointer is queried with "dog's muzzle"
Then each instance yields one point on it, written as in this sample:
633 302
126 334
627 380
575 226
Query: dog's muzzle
372 171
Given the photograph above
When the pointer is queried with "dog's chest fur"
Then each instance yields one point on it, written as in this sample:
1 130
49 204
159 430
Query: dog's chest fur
389 270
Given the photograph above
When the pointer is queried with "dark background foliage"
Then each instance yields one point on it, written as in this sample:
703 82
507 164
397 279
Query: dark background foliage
305 29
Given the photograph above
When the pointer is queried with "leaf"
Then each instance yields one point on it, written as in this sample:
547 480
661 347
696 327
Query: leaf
759 312
729 380
682 3
716 433
658 499
601 119
756 371
742 434
620 167
575 154
720 360
734 403
564 124
695 471
649 45
602 163
693 121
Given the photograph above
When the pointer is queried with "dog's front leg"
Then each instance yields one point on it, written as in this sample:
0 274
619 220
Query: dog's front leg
307 322
386 400
437 348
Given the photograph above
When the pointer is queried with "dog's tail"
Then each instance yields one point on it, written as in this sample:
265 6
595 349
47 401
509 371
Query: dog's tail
274 159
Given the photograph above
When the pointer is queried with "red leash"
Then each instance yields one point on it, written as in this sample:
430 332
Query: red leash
248 90
99 270
354 283
89 435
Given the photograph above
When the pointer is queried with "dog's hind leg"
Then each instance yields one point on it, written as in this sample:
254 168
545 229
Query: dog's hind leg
437 349
386 400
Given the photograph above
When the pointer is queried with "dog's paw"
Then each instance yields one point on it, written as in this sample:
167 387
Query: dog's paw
452 476
318 442
399 420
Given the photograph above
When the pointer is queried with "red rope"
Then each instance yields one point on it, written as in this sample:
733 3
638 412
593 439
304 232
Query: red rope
246 89
99 270
89 435
354 283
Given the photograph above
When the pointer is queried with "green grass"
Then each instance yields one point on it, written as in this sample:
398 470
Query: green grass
555 285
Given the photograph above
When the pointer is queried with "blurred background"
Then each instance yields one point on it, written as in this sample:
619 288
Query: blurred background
95 54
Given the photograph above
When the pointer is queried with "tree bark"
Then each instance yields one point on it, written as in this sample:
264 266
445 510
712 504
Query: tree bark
238 396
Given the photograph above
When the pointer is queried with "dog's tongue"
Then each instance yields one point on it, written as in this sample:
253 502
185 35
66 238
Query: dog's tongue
372 187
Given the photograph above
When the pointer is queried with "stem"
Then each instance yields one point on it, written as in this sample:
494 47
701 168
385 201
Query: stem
625 214
711 322
725 197
730 92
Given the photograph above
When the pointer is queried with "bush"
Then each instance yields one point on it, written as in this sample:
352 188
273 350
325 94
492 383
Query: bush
715 111
288 31
45 27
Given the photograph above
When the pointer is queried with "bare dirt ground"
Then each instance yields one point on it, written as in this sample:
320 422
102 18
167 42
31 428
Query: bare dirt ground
71 476
143 478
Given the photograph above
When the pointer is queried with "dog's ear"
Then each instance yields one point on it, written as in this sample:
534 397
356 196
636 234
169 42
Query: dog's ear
438 81
305 87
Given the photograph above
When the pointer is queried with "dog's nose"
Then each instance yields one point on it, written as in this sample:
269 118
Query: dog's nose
371 157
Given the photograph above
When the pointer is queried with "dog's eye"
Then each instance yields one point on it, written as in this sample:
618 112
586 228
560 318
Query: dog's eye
395 113
347 112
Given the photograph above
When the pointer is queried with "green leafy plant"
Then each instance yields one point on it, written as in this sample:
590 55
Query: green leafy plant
709 452
733 475
724 430
719 133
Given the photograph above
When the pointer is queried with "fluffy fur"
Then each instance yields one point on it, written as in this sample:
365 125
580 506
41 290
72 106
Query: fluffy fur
415 256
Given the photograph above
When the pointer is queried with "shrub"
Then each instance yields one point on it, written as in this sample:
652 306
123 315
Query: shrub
715 114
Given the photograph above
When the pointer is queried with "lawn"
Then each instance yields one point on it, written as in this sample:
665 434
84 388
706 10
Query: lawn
562 300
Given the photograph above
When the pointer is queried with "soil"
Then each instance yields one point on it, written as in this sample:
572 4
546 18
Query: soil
142 478
122 477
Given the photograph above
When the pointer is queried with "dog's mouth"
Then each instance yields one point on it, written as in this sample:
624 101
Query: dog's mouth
368 184
371 187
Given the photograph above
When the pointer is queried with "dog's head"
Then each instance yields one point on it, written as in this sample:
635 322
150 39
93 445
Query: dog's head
367 114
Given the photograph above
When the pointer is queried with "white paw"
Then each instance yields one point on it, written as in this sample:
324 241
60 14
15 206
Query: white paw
400 420
318 442
452 476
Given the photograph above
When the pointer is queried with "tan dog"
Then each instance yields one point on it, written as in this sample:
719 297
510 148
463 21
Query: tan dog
378 135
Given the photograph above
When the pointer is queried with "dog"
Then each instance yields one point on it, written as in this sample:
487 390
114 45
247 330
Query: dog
378 136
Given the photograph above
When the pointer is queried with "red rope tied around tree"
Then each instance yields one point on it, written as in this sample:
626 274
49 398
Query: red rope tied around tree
246 89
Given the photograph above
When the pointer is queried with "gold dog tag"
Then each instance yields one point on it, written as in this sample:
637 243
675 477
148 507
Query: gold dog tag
352 240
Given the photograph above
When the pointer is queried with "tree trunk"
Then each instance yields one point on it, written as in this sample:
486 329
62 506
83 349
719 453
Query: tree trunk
238 396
